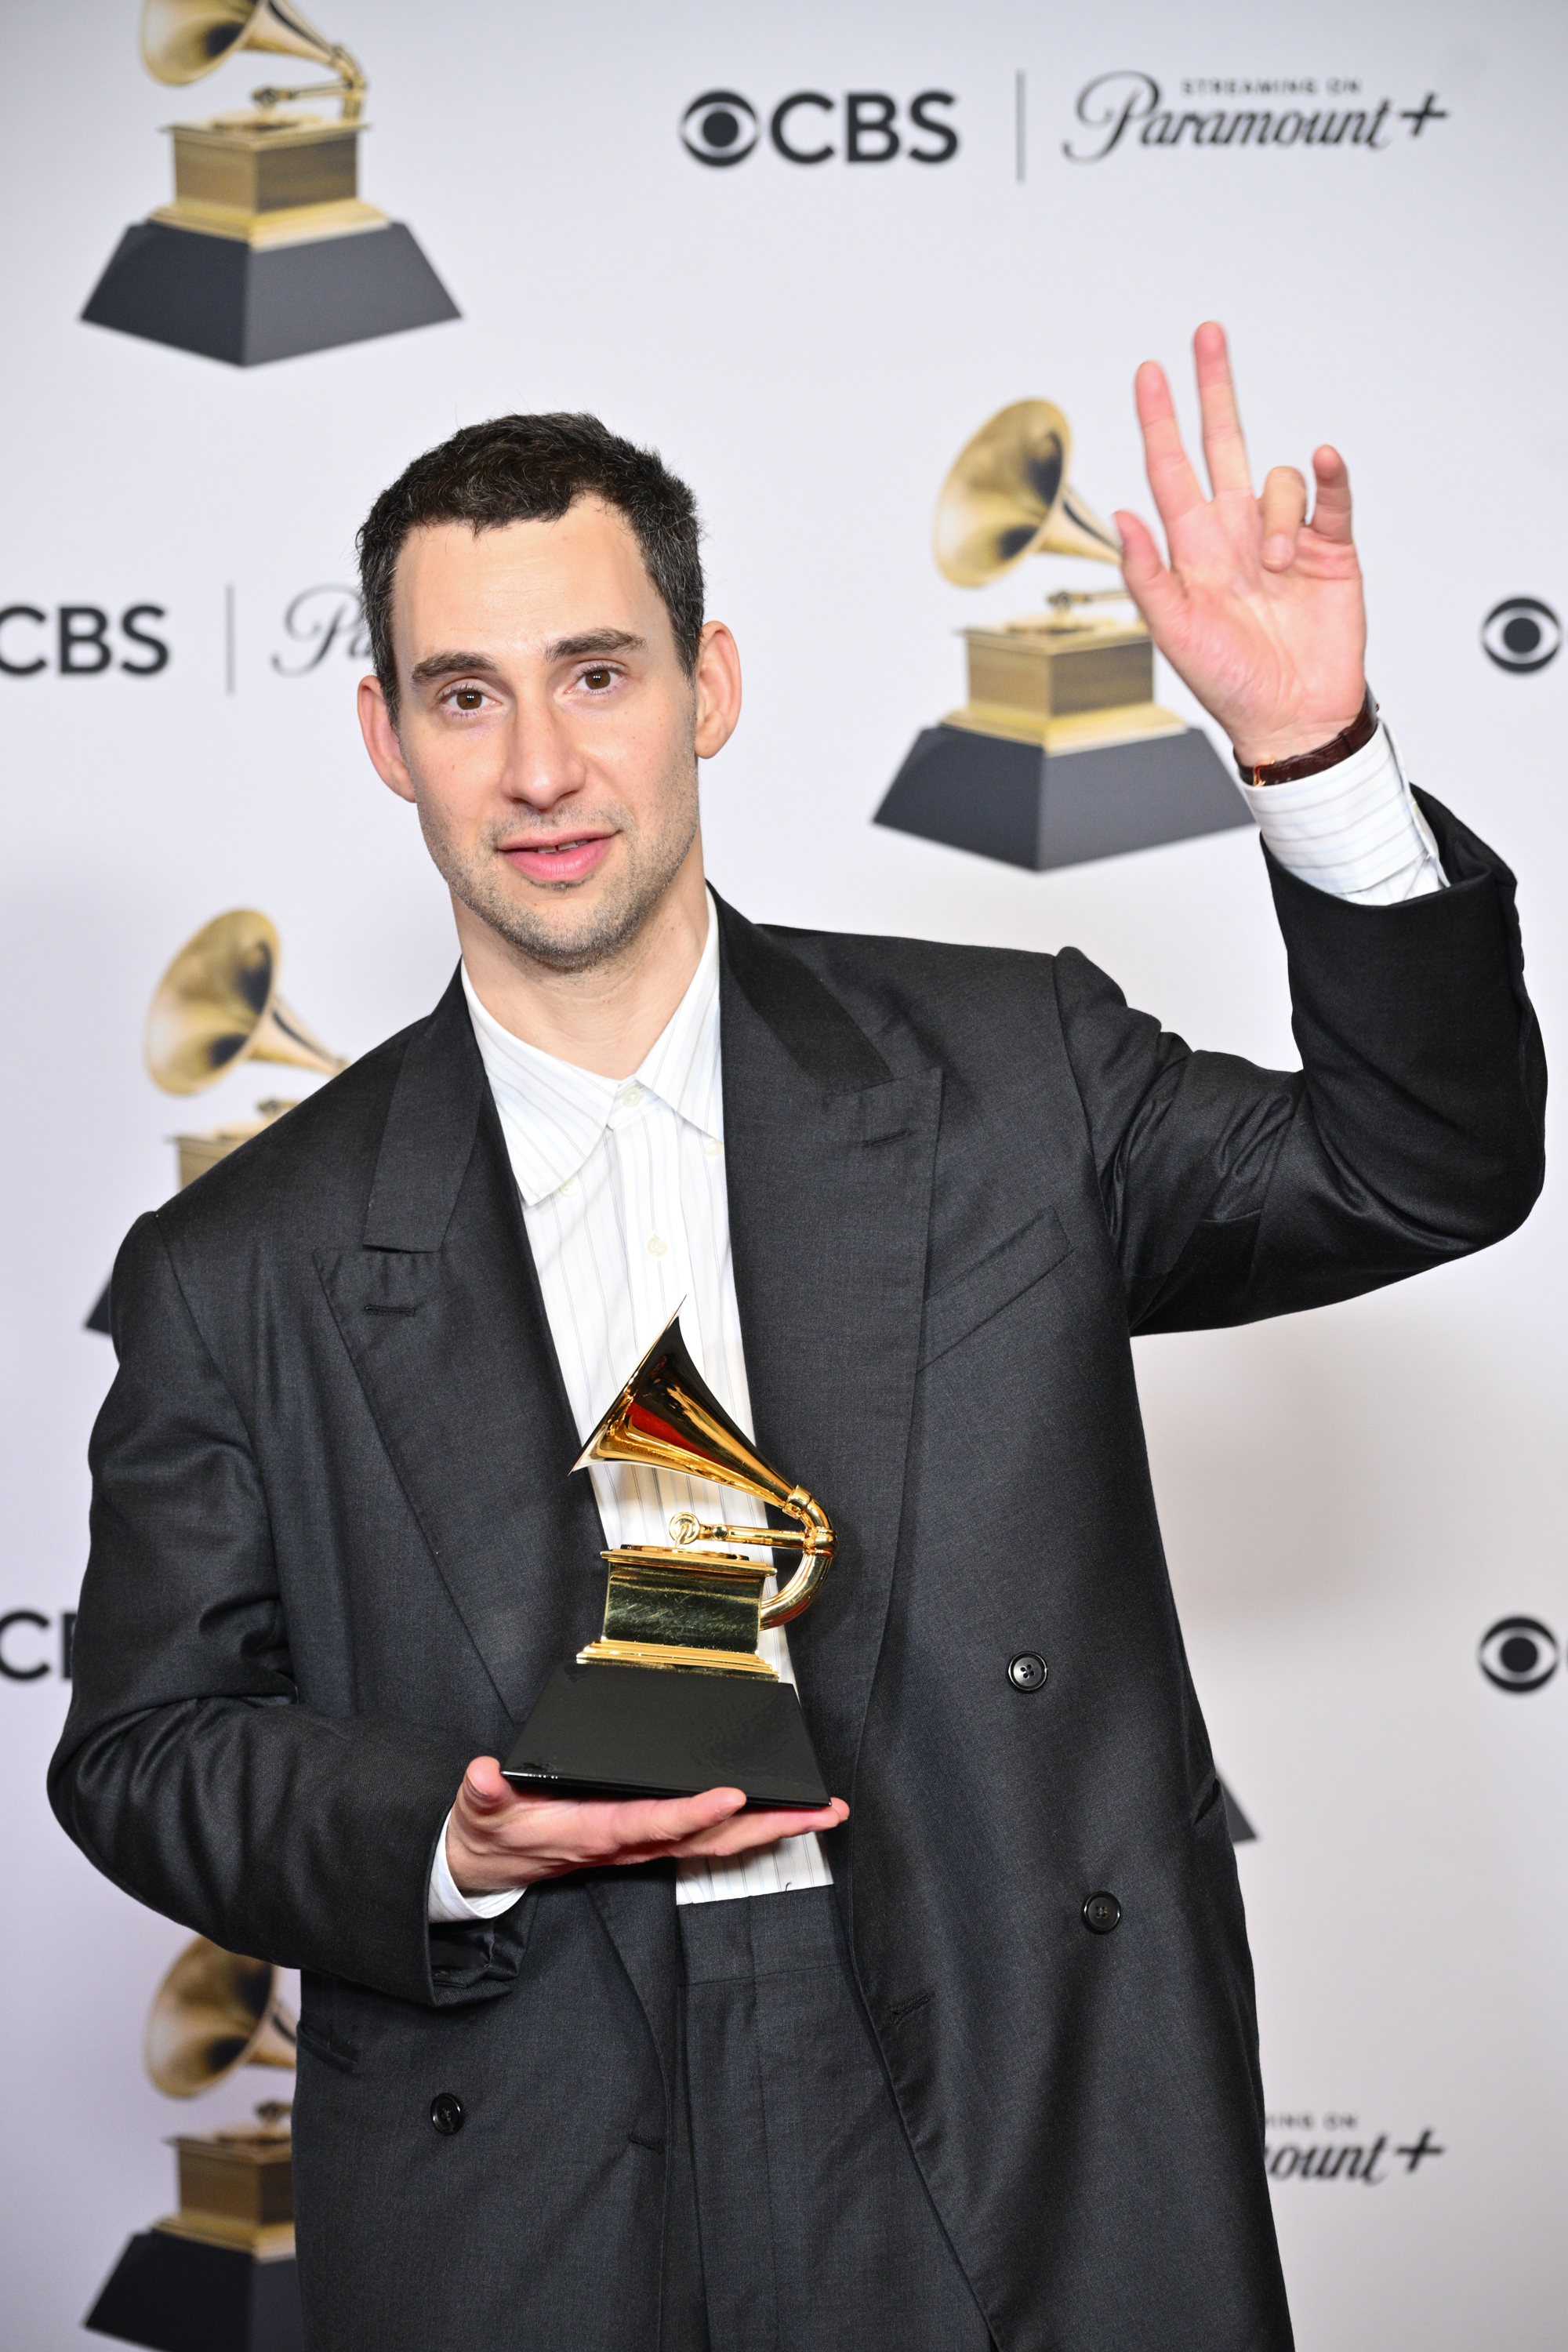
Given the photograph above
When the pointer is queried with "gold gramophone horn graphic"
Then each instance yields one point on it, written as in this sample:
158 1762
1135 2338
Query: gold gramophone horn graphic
184 40
268 250
215 2012
217 1006
1008 496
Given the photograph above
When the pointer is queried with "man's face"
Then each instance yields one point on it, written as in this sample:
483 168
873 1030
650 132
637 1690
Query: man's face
546 730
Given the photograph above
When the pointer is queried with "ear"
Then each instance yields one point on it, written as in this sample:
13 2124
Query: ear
375 724
716 684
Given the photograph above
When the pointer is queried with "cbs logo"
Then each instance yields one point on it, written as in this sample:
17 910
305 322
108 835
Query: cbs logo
1517 1654
721 128
1521 633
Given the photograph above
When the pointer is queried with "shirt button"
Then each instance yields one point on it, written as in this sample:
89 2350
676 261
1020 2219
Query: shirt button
570 1186
632 1094
657 1245
711 1146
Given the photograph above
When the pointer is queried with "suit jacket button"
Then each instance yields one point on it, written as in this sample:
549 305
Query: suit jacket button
447 2112
1101 1912
1026 1672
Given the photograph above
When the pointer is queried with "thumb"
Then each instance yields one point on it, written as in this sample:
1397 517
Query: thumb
484 1790
1152 587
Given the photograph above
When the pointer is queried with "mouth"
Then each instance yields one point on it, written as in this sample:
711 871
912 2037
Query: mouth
571 859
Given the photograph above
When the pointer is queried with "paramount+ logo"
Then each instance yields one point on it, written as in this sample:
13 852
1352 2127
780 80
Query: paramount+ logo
721 128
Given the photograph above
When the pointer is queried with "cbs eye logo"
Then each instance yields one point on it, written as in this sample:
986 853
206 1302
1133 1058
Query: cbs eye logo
1517 1654
859 126
721 127
1521 633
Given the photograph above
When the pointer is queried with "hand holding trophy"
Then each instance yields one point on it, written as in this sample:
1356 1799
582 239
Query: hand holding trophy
673 1726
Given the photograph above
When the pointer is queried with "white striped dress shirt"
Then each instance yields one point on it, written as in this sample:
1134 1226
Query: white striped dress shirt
628 1212
628 1215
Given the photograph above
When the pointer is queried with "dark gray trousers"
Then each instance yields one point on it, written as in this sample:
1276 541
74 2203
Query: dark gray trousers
801 2222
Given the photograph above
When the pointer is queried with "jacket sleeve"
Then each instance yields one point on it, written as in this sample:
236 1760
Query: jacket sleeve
187 1770
1412 1133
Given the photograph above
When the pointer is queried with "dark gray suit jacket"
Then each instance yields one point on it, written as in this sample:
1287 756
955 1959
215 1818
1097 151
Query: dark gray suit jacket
336 1552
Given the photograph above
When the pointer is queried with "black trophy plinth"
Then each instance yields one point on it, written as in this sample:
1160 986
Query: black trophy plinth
247 304
1041 809
636 1731
179 2296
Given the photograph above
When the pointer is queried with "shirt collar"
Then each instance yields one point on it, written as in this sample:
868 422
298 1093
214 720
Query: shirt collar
554 1113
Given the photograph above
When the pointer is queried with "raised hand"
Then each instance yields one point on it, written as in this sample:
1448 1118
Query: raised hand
500 1837
1259 612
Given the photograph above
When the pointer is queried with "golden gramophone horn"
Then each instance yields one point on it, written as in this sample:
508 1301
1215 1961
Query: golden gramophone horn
667 1418
1008 496
213 2012
184 40
217 1005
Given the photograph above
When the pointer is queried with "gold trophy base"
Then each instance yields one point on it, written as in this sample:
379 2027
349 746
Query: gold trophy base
268 179
1067 685
1084 730
684 1611
237 2189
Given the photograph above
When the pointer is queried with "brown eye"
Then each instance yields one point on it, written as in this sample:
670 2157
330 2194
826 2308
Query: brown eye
467 697
597 678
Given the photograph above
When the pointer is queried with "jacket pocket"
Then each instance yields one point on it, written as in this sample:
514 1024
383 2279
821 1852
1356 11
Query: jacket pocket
324 2023
1014 1266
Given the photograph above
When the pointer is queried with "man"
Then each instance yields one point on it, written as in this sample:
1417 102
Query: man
974 2062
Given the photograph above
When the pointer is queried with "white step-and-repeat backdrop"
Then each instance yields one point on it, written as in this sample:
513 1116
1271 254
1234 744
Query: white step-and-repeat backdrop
806 250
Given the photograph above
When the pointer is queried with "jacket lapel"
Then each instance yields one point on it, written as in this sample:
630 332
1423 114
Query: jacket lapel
441 1313
830 1157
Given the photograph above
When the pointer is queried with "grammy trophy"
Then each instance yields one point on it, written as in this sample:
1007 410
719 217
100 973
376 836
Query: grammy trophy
674 1697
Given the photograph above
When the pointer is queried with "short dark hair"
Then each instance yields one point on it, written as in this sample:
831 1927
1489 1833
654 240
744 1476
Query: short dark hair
531 469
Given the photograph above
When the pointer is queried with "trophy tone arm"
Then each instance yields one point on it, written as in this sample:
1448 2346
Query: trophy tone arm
813 1540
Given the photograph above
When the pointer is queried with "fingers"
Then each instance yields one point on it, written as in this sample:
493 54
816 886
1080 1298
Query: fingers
1224 451
1152 587
771 1826
1331 513
607 1830
1171 477
1283 506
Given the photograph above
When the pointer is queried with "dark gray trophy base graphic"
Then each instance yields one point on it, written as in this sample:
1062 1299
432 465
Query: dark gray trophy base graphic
179 2296
1029 807
236 303
641 1731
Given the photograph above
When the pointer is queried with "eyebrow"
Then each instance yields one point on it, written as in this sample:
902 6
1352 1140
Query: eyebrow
448 665
592 641
595 641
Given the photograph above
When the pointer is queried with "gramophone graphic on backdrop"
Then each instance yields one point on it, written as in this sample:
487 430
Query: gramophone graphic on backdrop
219 2273
268 250
1060 754
217 1006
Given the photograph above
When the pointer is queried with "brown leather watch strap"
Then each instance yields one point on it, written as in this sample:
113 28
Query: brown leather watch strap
1361 730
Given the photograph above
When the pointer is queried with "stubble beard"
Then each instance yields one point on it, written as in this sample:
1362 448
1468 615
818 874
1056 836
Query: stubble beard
568 937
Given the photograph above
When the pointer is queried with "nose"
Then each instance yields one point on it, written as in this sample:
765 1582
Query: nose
544 765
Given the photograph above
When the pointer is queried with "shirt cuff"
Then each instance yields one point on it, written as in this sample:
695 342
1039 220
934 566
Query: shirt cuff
1353 831
448 1906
